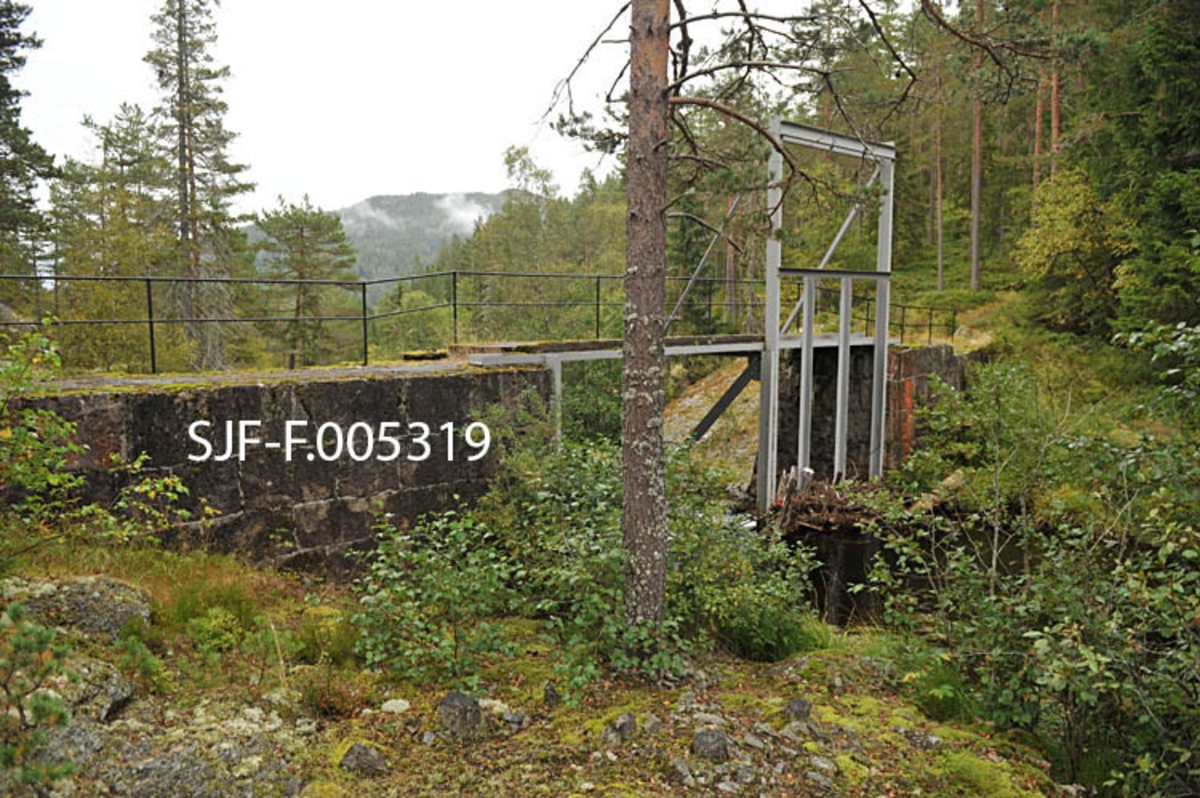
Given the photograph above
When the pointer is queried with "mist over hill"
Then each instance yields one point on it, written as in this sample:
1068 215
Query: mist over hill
391 234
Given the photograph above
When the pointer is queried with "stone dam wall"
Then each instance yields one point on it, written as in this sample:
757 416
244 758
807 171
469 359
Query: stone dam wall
910 373
307 513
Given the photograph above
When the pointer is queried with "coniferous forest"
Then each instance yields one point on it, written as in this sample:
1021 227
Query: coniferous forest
621 620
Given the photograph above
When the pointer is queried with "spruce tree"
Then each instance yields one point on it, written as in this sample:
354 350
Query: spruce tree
22 161
191 127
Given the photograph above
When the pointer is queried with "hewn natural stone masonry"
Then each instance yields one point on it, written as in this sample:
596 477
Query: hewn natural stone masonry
302 513
910 372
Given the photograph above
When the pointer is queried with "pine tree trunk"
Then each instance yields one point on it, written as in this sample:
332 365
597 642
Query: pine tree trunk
186 264
1039 112
645 532
1055 97
940 186
977 167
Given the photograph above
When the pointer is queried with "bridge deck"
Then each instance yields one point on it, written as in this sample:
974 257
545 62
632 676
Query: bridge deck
511 354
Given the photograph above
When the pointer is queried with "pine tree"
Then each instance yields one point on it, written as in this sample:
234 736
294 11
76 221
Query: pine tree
22 161
305 243
112 218
192 128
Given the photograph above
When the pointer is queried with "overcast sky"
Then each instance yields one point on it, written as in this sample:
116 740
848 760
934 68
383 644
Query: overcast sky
340 100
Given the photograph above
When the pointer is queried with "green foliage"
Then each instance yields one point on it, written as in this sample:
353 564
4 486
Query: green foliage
1063 584
36 445
429 595
305 243
30 657
139 660
1071 253
1177 351
25 162
725 581
216 631
591 401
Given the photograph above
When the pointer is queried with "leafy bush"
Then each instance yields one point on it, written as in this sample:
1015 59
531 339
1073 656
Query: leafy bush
1065 583
37 448
36 445
428 596
546 543
29 658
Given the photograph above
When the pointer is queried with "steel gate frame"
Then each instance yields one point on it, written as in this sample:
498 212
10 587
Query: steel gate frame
884 155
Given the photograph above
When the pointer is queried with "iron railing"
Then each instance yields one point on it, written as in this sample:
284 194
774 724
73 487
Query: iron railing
468 296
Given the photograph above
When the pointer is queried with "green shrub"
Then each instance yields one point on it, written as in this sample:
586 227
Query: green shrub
429 595
1064 582
216 631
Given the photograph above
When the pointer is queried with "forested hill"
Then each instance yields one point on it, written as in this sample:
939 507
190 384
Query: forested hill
390 233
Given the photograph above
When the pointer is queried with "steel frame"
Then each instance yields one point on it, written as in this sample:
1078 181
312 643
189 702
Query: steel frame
884 155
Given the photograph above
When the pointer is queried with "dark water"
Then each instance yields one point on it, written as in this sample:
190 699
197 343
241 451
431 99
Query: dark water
846 558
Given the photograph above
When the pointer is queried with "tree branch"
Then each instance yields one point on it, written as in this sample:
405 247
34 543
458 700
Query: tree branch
564 85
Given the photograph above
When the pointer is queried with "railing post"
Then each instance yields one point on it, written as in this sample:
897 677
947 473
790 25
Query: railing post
953 323
150 323
365 335
902 309
597 308
929 341
454 300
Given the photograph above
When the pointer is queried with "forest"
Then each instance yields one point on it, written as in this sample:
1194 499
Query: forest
1037 581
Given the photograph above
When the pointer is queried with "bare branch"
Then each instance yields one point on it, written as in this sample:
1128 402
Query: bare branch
755 15
754 125
747 65
564 85
707 226
685 43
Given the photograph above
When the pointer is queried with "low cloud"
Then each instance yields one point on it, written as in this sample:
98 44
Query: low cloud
461 212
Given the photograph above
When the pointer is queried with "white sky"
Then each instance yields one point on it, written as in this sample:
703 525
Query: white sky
341 100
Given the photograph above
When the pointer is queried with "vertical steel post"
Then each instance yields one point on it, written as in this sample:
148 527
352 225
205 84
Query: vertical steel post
454 300
150 322
769 378
365 335
597 308
841 419
804 433
557 400
883 265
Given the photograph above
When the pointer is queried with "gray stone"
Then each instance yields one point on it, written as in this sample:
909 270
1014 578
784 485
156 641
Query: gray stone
550 695
921 739
515 720
727 786
819 779
745 774
753 741
797 731
797 709
709 719
621 730
650 724
395 706
822 764
679 769
364 760
460 717
711 745
91 604
428 738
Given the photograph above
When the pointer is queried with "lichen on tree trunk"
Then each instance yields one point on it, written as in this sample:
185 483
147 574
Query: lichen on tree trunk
645 516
